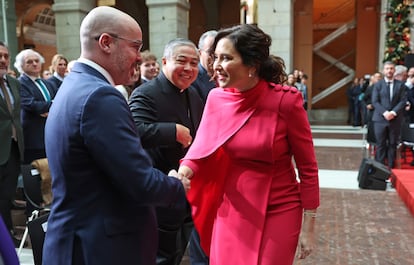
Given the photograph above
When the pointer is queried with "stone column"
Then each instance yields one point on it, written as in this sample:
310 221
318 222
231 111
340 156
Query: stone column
275 17
382 32
69 15
168 19
8 27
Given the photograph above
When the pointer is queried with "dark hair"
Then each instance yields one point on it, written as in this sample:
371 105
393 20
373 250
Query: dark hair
253 46
3 44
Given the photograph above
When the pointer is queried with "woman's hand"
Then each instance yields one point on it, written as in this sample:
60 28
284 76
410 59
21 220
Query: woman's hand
307 236
185 172
184 180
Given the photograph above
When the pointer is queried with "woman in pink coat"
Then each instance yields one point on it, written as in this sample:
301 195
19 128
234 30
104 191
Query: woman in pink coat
247 203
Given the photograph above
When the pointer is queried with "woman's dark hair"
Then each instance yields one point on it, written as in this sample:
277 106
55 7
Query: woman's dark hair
253 46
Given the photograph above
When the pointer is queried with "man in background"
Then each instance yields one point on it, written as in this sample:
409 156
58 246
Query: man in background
167 112
204 83
11 138
388 99
36 98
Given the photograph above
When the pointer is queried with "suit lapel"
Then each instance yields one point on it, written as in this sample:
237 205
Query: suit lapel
26 81
3 102
395 92
3 105
13 88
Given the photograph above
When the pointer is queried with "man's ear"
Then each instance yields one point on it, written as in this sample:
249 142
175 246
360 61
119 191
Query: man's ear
105 41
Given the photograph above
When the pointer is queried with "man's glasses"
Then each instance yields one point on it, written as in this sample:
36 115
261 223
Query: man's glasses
137 43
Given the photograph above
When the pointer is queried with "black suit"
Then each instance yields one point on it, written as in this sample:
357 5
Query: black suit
33 105
11 152
369 113
410 99
387 133
157 106
203 84
54 82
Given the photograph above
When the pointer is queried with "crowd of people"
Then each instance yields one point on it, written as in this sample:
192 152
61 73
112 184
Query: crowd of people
384 103
147 157
299 80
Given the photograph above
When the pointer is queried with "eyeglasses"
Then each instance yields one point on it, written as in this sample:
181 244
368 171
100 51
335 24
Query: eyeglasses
137 43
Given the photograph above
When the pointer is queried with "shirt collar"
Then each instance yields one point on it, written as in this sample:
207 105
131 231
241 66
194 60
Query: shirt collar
98 68
33 78
55 74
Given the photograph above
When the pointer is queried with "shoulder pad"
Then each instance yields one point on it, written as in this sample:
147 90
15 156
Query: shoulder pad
290 88
276 87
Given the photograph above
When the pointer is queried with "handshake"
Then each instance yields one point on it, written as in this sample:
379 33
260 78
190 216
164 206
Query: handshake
184 174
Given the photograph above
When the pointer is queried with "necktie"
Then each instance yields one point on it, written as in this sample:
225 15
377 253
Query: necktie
44 89
390 89
9 105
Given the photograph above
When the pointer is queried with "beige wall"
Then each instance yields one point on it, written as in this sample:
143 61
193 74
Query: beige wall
367 39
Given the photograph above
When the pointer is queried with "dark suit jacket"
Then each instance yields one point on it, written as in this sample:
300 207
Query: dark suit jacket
104 186
7 119
157 106
203 84
54 82
381 100
410 99
33 104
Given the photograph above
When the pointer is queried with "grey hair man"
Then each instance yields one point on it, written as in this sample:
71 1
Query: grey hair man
167 112
204 83
36 99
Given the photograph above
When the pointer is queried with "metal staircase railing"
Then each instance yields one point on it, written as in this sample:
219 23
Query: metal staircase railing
317 49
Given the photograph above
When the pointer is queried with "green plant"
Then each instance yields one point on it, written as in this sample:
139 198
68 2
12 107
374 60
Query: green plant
397 43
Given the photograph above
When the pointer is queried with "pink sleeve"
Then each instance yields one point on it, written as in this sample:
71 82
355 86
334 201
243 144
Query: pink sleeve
190 163
301 142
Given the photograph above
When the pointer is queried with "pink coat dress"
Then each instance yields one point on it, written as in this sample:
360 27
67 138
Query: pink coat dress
246 201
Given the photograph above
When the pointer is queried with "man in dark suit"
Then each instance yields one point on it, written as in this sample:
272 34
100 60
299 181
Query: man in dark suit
36 98
410 96
167 114
104 186
388 98
409 107
204 83
11 136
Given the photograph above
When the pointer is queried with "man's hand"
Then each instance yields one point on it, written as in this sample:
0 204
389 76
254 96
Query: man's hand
183 135
184 180
388 115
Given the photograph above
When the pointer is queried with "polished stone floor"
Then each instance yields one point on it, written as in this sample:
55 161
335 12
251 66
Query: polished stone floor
354 226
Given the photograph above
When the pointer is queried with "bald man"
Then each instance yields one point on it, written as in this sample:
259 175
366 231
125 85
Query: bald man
104 186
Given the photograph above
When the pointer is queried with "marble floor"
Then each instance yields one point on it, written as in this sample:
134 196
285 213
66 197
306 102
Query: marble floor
343 179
